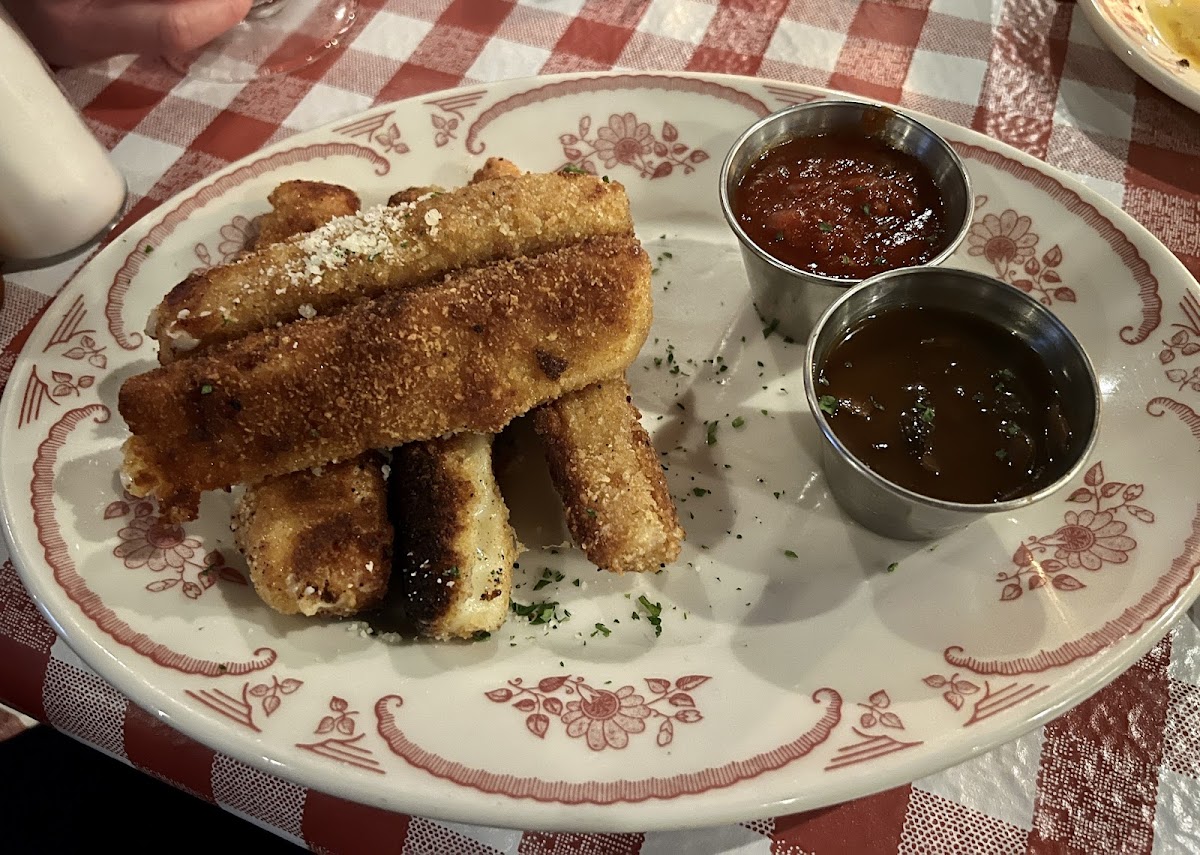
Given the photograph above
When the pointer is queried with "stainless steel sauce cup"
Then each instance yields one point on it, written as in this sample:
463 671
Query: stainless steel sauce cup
894 511
787 297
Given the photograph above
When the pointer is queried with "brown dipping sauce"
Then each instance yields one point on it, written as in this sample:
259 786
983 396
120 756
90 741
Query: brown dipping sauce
841 204
945 404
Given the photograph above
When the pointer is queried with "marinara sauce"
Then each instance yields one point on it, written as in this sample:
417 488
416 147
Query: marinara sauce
842 204
945 404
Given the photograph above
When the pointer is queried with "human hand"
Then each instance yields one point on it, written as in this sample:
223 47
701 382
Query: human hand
74 32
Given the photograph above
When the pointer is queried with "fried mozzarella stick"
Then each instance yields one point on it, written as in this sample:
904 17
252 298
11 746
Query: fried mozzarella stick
318 542
481 348
298 207
384 248
454 549
495 167
607 474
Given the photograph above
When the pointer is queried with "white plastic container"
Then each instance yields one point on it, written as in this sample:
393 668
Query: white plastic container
59 190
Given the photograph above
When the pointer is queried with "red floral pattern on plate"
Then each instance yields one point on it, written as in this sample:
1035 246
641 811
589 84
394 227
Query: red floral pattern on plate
877 712
1009 244
625 141
89 350
66 384
344 744
956 689
989 703
39 391
1087 539
446 123
377 131
870 746
235 236
604 718
241 709
1183 343
146 541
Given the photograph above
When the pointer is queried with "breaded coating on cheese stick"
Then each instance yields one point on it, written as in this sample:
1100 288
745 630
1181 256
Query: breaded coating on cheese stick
318 542
412 195
492 169
384 248
454 548
495 167
481 348
607 474
298 207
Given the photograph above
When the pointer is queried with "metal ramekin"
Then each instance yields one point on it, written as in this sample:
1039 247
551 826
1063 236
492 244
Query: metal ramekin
790 298
889 509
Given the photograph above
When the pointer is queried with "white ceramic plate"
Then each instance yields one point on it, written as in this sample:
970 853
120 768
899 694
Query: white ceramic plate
1125 26
778 683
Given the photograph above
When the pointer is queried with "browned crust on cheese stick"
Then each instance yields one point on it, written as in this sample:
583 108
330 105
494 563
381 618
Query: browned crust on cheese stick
384 248
412 195
454 546
495 167
471 354
607 474
298 207
318 542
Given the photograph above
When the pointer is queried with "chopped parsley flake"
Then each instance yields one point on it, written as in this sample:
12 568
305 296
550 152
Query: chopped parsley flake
892 567
1012 429
699 491
572 169
790 553
825 227
828 404
601 629
710 437
770 328
206 389
148 249
539 613
548 577
1001 454
481 635
927 414
738 422
653 613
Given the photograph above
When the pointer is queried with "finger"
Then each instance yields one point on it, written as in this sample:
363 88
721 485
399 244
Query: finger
74 34
189 24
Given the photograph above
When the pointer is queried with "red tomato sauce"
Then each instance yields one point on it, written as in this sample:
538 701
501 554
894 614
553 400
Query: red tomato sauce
841 204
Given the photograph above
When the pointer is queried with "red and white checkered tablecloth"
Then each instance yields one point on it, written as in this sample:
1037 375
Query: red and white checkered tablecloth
1119 773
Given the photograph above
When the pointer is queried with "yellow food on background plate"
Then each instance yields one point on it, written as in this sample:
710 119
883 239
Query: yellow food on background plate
1178 24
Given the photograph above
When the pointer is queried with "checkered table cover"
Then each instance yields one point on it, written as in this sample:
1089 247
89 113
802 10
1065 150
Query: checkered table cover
1120 773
